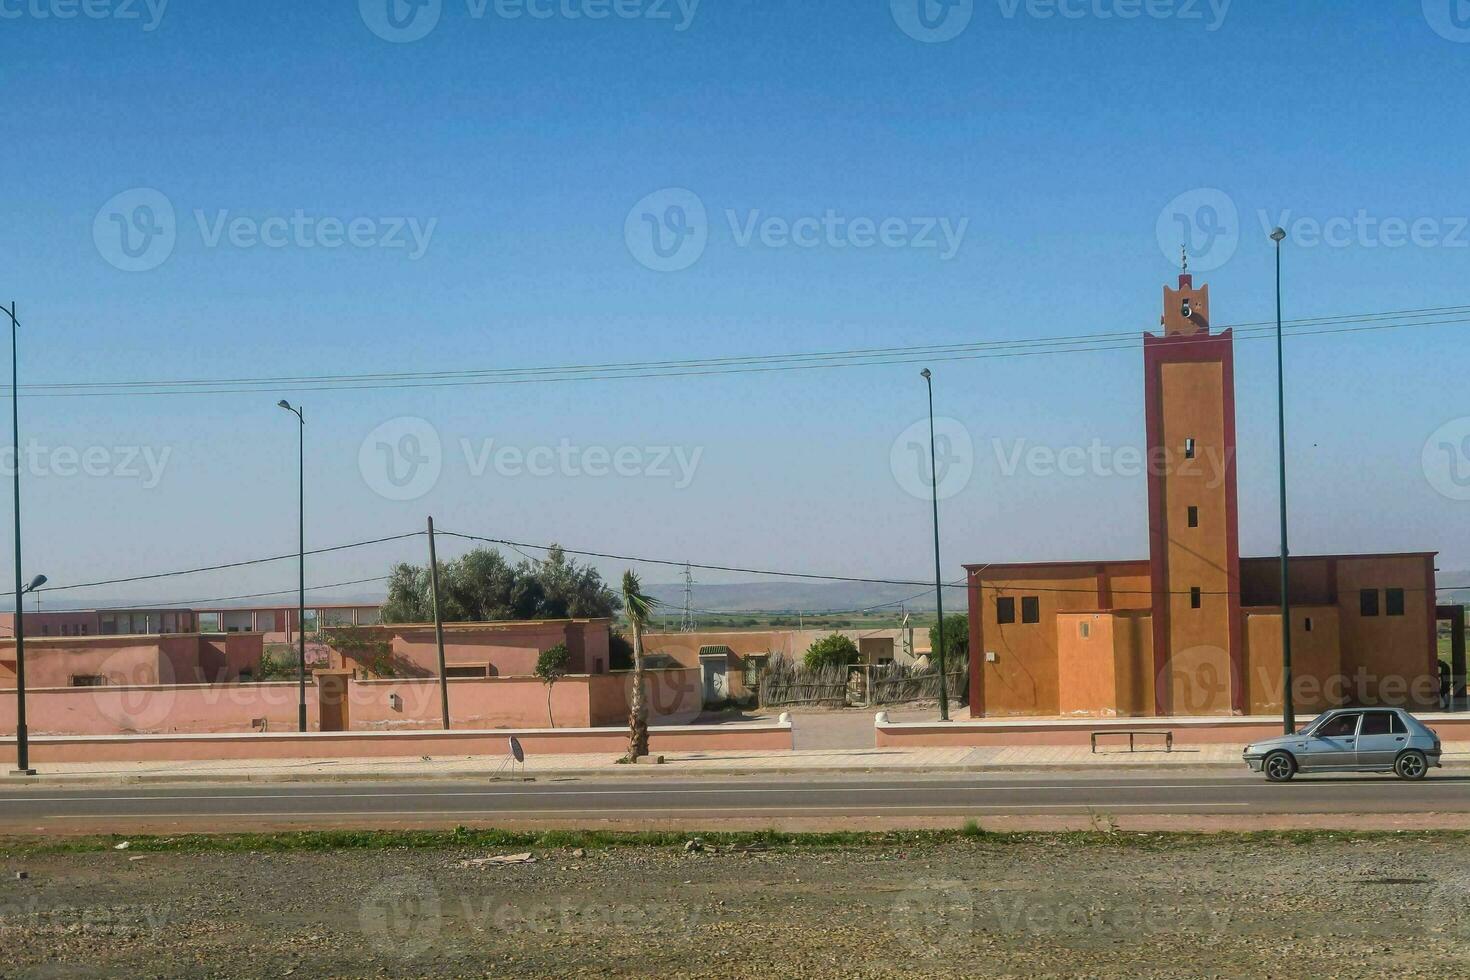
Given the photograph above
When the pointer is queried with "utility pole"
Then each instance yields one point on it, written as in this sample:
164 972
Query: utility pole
22 740
300 414
438 627
938 581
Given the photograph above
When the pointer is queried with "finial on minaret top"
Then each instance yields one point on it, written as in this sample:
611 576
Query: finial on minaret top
1185 279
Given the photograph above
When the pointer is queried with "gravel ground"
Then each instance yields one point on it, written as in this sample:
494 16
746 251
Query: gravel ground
1042 907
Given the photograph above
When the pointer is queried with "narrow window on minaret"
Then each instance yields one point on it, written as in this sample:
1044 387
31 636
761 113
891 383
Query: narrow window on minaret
1194 597
1194 517
1189 448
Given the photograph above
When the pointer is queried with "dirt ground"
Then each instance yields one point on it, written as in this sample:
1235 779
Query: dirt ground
1046 907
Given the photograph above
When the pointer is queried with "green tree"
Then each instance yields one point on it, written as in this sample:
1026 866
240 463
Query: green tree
551 666
956 640
639 608
481 586
835 650
619 651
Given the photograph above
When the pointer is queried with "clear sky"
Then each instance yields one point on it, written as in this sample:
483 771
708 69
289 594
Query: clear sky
179 182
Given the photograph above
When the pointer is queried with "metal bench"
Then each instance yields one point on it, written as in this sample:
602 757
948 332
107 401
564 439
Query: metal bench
1168 736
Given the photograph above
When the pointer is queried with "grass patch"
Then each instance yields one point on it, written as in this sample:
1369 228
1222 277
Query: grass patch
461 837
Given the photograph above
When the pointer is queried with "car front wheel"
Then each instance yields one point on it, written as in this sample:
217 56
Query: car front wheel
1279 767
1411 765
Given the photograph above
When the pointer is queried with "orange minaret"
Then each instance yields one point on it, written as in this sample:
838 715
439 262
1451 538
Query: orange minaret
1194 550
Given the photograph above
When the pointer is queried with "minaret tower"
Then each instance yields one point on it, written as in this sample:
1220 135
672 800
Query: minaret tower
1194 550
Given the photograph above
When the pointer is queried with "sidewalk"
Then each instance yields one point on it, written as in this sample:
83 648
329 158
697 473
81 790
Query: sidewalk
1013 759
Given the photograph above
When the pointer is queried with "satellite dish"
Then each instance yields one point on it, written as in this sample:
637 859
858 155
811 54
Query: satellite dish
516 750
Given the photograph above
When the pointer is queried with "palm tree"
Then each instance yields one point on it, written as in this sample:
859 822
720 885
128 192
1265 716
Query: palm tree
639 608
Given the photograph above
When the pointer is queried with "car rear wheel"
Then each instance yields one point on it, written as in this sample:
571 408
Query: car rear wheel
1279 767
1411 765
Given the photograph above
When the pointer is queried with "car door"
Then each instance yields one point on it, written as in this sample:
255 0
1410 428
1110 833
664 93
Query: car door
1333 744
1381 737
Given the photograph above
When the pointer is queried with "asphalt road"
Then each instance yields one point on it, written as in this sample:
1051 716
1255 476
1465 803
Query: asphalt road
232 806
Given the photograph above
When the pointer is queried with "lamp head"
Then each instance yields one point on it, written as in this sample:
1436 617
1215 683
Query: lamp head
284 404
1278 235
925 374
36 583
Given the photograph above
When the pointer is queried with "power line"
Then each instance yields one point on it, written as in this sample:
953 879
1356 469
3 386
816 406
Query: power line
226 565
749 364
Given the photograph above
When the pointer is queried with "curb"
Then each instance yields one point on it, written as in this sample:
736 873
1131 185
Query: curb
621 772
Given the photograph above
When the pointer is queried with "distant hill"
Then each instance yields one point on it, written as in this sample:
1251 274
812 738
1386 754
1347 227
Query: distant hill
799 597
1453 586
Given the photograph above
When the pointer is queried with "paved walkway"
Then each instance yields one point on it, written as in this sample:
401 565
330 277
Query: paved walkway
1009 758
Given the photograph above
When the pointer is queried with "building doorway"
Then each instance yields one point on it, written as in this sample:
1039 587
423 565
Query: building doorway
1455 695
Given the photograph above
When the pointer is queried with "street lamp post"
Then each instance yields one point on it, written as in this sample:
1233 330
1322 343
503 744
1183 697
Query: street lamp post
301 561
1288 709
938 582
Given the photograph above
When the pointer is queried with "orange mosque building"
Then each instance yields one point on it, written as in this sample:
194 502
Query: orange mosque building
1194 629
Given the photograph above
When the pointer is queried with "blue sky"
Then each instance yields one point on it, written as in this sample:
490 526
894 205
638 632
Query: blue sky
1053 148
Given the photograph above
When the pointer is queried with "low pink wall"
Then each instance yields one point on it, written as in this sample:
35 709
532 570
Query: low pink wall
577 701
1222 731
388 745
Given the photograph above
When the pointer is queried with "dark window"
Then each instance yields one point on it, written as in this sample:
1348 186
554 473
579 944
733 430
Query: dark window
1189 448
1194 517
1368 602
1030 609
1194 597
477 670
1395 602
1377 723
1399 728
1340 726
1005 609
87 680
1308 624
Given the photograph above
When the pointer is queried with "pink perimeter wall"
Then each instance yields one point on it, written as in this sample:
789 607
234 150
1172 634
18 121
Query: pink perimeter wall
170 658
577 701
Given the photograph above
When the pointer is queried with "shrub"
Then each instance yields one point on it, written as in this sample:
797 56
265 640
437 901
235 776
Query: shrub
836 650
553 663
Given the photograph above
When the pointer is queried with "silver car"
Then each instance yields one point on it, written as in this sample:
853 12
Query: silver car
1350 740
